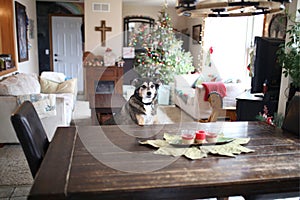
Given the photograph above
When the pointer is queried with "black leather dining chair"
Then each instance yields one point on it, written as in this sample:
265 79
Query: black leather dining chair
292 118
290 124
31 134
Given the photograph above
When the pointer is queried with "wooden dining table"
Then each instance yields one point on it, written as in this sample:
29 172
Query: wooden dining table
108 162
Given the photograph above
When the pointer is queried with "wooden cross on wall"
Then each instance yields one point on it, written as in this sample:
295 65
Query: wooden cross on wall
103 29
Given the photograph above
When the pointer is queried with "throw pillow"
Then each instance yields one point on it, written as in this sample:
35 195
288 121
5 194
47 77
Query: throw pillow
48 86
53 76
68 86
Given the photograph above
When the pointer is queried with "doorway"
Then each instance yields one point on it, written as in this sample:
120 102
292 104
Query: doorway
66 47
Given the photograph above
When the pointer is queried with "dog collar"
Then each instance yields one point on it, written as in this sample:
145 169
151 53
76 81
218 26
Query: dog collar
147 104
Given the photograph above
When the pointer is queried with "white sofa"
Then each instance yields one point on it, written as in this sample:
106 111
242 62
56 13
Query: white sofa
19 85
191 100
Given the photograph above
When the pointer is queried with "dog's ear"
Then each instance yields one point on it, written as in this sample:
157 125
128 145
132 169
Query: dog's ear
157 83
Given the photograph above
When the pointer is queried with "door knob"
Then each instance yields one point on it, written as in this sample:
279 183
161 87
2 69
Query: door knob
55 54
55 60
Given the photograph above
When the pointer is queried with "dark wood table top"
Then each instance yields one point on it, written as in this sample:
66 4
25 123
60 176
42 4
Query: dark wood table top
107 162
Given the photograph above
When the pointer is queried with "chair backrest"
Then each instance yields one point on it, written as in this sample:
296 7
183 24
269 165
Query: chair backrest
292 118
216 103
215 100
31 134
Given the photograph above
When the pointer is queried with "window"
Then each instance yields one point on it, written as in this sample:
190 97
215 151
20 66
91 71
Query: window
231 39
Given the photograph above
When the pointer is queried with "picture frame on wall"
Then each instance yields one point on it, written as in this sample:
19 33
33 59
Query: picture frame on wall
196 34
21 27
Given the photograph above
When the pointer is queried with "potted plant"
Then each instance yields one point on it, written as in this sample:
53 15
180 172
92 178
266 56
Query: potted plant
289 55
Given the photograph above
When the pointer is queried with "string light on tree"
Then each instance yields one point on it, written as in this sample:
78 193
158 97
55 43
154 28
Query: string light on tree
163 56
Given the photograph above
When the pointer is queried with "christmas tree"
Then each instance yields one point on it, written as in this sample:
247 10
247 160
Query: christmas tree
163 55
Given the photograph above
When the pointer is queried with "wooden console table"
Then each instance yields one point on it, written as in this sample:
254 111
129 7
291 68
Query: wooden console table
95 74
104 105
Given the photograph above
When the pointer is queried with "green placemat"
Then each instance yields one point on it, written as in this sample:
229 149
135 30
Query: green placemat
232 148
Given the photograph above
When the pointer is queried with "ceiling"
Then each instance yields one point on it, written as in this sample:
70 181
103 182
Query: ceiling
134 2
151 2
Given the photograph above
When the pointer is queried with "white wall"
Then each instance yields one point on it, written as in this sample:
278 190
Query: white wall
114 39
285 81
30 66
195 49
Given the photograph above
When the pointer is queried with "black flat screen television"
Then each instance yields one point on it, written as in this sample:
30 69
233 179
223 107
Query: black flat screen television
266 67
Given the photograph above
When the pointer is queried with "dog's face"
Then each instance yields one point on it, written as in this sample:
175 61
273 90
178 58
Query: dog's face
146 89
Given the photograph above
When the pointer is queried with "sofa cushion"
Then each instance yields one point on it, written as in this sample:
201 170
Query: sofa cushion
233 90
54 76
186 95
67 86
20 84
185 80
48 86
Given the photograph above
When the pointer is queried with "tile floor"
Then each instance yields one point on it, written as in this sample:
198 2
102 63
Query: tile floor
14 192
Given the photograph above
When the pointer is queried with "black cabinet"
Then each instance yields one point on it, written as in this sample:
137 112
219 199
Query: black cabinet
266 68
250 105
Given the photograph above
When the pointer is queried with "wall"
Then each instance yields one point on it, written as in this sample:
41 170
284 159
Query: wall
44 10
285 81
114 39
30 66
195 49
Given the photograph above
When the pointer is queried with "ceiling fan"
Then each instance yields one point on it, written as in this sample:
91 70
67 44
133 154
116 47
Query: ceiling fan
228 8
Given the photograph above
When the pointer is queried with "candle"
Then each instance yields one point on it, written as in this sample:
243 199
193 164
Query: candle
211 137
200 136
187 138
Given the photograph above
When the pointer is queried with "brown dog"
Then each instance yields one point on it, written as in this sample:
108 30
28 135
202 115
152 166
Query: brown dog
141 107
